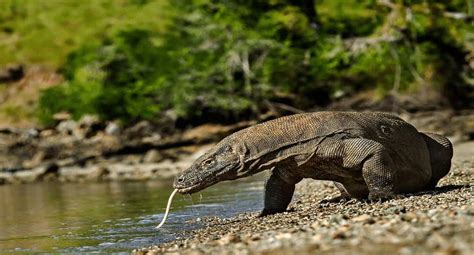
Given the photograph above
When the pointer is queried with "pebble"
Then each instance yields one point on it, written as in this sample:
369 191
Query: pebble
364 219
228 239
434 222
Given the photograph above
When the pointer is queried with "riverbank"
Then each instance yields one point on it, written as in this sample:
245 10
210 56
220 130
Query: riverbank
432 222
89 150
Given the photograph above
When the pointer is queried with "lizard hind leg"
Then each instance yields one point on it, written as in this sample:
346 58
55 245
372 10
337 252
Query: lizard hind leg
279 191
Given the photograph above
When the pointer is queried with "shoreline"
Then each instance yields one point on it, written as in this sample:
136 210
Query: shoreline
89 150
439 221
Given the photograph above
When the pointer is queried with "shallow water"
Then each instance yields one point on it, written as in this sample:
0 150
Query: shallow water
110 217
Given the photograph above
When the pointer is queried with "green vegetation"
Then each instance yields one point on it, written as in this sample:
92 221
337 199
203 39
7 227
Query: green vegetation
44 32
232 58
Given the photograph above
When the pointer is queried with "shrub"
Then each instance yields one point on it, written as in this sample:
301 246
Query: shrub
231 57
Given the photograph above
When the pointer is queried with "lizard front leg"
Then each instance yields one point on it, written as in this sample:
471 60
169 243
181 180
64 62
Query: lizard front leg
279 190
379 174
378 169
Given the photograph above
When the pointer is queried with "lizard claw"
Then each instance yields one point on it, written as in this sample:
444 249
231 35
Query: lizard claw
267 212
334 200
381 196
263 214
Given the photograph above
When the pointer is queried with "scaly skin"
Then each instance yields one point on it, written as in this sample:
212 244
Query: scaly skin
367 154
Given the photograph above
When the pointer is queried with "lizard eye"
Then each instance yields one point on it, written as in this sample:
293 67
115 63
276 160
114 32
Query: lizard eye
386 130
208 162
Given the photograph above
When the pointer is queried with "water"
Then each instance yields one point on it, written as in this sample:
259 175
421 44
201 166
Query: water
110 217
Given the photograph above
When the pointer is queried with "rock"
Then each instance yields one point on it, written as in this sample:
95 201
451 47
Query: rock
251 238
205 132
8 130
35 161
409 216
317 238
339 234
86 127
89 125
12 72
62 116
6 178
227 239
88 121
134 172
46 133
112 128
79 174
32 133
283 236
141 129
26 176
66 127
152 156
152 139
364 218
337 218
397 209
315 225
104 142
51 172
131 159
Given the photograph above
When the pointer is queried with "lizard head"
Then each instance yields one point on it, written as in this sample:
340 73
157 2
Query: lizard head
218 164
441 152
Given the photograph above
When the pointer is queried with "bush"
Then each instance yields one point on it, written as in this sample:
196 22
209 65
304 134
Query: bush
231 57
114 80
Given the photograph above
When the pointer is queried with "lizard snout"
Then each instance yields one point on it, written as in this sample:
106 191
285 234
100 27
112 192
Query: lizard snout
179 182
185 183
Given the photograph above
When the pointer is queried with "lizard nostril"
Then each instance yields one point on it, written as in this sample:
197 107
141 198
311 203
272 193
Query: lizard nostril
180 179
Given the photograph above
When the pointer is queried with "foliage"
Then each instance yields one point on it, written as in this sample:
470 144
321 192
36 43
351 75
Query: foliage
115 80
44 32
233 57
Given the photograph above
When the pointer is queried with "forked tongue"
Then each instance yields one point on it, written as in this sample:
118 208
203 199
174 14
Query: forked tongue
167 209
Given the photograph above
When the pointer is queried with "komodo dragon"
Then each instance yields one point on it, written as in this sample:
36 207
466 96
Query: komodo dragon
370 155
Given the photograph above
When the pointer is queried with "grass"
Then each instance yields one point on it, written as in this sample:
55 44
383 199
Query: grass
45 31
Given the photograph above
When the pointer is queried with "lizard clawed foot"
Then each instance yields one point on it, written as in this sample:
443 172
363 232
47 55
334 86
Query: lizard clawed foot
334 200
267 212
381 196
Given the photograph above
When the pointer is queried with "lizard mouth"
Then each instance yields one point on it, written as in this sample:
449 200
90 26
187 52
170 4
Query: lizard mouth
187 190
194 188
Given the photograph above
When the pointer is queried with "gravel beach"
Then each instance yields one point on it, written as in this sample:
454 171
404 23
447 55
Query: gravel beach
440 221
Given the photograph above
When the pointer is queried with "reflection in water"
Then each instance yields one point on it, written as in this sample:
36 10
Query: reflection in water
52 217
